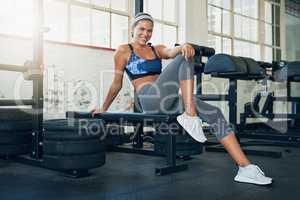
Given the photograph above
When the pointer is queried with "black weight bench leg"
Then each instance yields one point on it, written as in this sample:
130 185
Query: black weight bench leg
171 159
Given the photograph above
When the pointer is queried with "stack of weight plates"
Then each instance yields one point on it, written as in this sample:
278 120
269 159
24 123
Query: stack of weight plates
15 131
74 144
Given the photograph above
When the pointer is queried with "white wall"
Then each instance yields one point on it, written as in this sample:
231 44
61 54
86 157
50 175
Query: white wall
80 68
193 22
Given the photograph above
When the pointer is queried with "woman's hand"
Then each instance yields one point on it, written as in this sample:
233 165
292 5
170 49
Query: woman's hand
97 111
187 51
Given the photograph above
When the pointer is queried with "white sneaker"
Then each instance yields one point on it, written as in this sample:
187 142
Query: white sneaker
193 126
252 174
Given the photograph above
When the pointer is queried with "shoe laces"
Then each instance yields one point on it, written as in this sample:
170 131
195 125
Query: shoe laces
260 171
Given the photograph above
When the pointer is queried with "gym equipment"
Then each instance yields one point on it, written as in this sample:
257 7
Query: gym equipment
185 145
115 135
142 120
15 114
235 68
15 132
260 106
73 146
286 71
32 71
284 132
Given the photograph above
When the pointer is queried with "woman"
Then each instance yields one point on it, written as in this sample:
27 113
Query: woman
157 92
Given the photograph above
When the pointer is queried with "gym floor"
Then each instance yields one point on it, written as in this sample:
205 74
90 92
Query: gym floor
131 176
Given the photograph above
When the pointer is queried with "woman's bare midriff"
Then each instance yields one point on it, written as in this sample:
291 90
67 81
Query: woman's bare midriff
140 82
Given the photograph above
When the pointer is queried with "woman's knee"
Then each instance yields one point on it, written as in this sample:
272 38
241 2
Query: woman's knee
218 112
222 135
211 112
179 58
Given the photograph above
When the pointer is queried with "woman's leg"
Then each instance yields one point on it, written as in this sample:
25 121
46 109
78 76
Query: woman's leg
187 91
232 146
160 95
247 173
222 130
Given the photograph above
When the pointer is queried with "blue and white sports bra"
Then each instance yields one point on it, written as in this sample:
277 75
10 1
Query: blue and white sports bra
138 67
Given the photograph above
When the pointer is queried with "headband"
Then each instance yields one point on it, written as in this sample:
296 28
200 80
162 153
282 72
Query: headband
140 17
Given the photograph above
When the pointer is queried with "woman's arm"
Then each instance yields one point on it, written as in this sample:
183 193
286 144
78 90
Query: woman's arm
120 60
165 53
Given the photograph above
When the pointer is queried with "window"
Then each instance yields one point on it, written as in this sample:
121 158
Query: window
121 5
215 19
219 25
220 44
164 13
247 8
169 35
101 3
271 25
102 23
219 20
245 28
80 24
246 49
119 30
16 17
215 42
100 28
56 19
238 29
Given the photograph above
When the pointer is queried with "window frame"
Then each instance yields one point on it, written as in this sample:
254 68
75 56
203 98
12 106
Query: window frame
260 41
163 22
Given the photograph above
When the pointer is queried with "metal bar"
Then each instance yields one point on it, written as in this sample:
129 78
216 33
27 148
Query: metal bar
37 149
272 154
213 97
138 139
138 6
272 143
199 84
16 102
232 101
170 169
295 99
259 135
171 150
130 118
279 115
130 149
13 68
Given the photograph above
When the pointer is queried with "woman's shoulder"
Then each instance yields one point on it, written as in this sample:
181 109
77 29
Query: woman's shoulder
123 48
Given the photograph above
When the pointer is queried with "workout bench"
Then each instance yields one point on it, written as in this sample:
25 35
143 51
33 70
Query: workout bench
163 122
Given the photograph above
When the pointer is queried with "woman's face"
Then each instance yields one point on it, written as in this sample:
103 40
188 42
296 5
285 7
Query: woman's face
142 32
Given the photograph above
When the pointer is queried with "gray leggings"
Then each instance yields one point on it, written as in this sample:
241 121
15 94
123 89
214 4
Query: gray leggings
161 97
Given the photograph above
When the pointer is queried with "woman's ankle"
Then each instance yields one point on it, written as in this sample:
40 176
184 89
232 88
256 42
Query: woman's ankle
245 164
191 114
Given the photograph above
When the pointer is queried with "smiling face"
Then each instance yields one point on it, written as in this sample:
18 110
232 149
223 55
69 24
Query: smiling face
142 32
